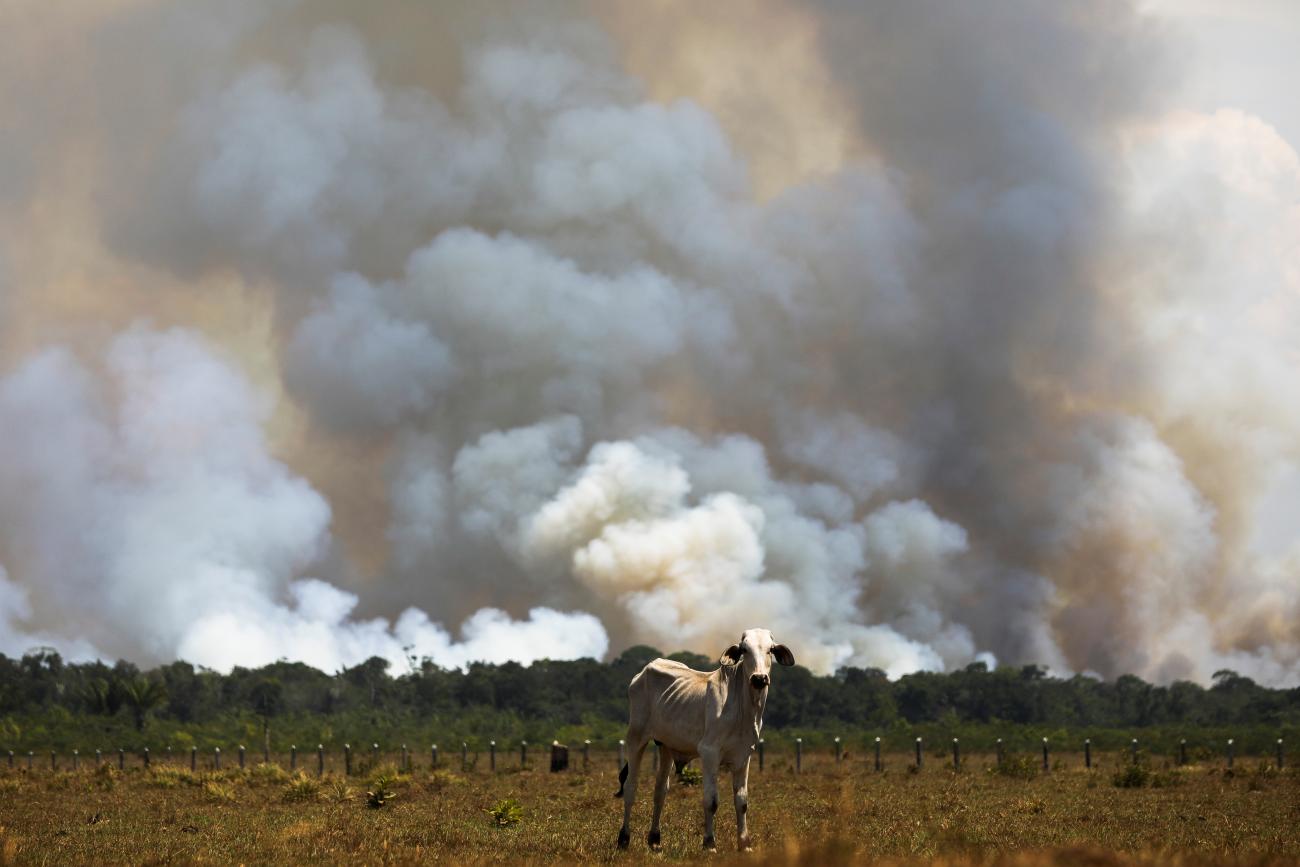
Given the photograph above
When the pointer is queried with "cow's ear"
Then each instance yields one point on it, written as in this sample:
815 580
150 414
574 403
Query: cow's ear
731 655
782 654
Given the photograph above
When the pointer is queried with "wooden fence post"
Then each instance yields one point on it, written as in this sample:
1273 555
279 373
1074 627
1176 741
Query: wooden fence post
523 754
146 757
347 760
216 758
492 755
403 765
1133 751
999 753
622 753
838 753
559 757
320 760
75 763
30 754
464 757
1087 753
374 755
1230 751
1182 751
877 753
1281 757
798 755
194 759
918 754
956 755
99 759
241 757
762 748
293 757
1046 767
433 756
586 749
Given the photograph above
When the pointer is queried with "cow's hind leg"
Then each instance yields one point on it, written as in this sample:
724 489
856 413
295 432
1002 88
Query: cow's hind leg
627 788
661 790
709 762
740 792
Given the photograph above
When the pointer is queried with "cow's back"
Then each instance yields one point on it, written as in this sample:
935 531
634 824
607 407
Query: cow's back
668 698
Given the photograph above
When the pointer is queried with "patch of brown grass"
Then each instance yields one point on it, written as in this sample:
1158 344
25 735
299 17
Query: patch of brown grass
831 814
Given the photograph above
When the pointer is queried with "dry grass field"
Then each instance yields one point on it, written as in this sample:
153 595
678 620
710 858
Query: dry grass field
830 814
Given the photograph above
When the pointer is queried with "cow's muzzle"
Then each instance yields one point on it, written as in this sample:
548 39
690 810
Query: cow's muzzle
759 681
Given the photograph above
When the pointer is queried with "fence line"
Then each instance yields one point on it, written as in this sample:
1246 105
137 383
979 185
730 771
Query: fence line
1226 753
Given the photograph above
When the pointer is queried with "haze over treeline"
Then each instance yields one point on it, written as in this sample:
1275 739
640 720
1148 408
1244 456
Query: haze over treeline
921 333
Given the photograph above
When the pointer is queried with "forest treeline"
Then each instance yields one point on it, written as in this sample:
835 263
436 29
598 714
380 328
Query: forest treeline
47 702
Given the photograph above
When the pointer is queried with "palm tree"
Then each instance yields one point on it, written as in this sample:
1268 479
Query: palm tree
142 695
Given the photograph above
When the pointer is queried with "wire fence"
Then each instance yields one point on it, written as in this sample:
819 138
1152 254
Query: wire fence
349 759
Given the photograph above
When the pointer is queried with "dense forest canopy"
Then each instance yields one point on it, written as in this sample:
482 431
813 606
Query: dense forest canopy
587 692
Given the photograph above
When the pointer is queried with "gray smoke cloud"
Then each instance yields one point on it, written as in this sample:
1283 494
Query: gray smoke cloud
510 332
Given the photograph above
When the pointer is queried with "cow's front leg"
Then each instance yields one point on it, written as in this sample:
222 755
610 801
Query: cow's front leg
661 790
740 793
709 762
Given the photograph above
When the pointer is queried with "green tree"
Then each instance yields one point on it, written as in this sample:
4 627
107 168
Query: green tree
142 695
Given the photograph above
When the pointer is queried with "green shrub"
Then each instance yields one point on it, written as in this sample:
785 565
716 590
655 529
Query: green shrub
1131 777
338 791
300 787
505 812
219 792
1021 767
690 776
379 793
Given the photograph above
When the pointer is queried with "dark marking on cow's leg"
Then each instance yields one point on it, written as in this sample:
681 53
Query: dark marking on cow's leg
744 807
622 781
624 837
713 805
652 839
709 844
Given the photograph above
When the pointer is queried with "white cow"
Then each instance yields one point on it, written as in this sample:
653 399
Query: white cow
717 716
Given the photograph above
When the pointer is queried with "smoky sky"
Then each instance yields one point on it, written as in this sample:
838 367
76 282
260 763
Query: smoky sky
920 334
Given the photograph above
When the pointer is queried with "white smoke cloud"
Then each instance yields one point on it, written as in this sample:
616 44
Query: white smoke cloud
178 530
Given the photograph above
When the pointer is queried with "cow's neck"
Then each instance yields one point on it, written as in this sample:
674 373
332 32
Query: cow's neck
748 702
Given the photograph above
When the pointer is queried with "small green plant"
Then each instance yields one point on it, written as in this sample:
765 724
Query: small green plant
379 793
219 792
505 812
300 788
268 775
1131 777
1024 767
105 777
690 776
1167 779
338 791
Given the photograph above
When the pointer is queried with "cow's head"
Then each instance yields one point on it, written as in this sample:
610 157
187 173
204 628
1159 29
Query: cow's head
754 654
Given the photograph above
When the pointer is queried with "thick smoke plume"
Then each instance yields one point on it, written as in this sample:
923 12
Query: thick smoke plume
526 330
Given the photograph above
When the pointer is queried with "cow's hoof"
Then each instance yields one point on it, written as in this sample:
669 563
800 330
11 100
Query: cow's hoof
745 845
624 838
709 845
652 840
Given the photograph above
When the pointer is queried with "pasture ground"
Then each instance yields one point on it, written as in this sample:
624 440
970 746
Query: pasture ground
830 814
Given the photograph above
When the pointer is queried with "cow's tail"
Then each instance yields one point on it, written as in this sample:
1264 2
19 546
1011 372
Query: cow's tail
622 779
